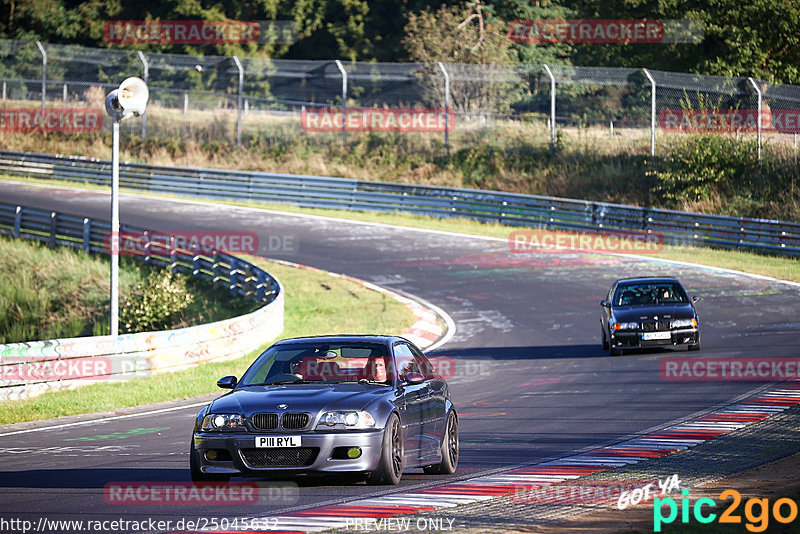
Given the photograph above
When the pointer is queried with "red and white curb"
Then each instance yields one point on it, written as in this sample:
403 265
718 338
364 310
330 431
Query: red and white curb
433 327
655 444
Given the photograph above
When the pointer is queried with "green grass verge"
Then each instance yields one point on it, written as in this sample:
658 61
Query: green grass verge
781 267
49 293
316 303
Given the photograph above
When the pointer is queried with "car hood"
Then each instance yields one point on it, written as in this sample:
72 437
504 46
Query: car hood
299 398
625 314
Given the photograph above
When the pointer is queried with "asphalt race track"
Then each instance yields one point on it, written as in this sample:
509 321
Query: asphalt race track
531 381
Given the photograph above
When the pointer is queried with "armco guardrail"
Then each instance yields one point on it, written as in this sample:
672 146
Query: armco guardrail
27 369
674 227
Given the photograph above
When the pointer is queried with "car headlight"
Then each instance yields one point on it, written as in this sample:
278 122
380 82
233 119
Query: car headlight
626 326
346 420
222 421
684 323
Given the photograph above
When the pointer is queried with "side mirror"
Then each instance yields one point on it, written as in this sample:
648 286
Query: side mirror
696 299
227 382
604 303
414 378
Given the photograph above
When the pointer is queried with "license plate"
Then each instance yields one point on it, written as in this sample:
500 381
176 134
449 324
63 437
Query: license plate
277 441
649 336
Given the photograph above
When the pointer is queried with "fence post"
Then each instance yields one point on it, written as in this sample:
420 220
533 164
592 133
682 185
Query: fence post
344 100
44 74
760 103
146 67
652 112
239 102
446 105
552 108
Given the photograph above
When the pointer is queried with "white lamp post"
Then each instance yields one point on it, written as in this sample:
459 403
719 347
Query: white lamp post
130 99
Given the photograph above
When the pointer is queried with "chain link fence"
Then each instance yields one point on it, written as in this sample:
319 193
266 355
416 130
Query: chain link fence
241 100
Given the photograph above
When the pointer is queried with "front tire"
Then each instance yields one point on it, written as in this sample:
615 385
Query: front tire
615 352
390 466
696 346
605 342
197 474
449 449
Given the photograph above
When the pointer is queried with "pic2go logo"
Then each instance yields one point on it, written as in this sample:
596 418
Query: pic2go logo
758 521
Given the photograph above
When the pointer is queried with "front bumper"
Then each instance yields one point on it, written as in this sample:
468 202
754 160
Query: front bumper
370 442
631 339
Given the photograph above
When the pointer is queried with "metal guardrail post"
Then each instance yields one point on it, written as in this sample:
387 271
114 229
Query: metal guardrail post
446 105
195 260
147 247
18 221
233 276
261 287
760 104
87 234
146 67
652 112
239 102
173 255
44 74
344 100
552 108
51 242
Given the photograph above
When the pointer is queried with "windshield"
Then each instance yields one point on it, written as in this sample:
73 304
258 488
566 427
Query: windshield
649 294
319 362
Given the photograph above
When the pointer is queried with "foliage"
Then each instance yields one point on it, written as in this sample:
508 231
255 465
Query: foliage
155 303
462 35
753 38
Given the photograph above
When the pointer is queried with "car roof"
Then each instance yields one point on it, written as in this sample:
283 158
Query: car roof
647 279
342 338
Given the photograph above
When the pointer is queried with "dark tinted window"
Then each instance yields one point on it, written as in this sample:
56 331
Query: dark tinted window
407 362
649 294
320 362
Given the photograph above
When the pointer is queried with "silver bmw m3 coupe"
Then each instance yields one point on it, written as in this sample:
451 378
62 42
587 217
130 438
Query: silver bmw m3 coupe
371 405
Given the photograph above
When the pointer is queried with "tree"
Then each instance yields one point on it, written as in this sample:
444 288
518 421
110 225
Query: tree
534 53
461 36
